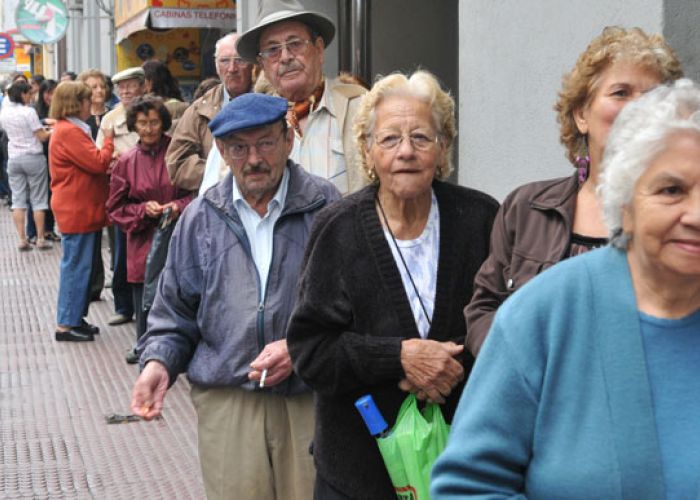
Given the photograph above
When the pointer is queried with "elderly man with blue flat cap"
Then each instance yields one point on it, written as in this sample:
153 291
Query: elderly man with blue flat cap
222 307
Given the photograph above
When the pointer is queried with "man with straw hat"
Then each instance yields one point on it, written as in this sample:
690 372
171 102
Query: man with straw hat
288 42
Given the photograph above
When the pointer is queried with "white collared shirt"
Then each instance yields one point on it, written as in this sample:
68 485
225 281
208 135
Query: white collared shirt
320 150
215 169
260 230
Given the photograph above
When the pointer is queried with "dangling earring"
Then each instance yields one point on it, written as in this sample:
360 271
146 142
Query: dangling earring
583 161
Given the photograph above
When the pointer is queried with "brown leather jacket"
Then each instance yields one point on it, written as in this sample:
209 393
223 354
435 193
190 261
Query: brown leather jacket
192 140
532 232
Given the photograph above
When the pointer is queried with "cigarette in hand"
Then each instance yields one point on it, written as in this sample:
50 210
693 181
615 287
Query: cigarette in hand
262 378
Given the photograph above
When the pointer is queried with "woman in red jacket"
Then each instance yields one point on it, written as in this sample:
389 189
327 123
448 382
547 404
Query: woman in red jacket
140 191
79 184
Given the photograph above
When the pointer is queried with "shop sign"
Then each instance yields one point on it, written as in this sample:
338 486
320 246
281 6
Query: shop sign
42 21
7 46
193 18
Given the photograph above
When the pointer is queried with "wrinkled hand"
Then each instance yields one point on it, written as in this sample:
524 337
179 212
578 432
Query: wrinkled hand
275 358
431 368
153 209
175 209
149 391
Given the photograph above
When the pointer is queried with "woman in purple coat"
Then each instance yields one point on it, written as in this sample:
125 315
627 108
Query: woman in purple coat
140 191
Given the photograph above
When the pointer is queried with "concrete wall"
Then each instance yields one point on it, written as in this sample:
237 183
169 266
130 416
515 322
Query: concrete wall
512 57
89 37
682 30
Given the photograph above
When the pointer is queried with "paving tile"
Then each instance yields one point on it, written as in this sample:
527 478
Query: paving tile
54 441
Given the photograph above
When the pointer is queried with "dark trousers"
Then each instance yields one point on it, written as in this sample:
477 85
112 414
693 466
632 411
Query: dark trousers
4 182
49 222
141 315
324 491
123 300
97 276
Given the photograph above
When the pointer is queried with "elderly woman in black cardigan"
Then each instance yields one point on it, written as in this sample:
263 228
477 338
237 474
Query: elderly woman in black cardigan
388 270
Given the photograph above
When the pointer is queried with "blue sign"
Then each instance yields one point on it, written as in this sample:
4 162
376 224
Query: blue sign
7 46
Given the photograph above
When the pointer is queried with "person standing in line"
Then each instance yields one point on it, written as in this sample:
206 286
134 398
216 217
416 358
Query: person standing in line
42 104
140 191
289 43
545 222
130 85
26 167
585 386
192 140
387 273
223 304
97 81
160 82
80 187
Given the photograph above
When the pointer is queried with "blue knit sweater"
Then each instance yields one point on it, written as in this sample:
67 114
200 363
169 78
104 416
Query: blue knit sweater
558 404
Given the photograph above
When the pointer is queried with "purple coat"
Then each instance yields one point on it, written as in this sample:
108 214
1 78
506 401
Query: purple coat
141 176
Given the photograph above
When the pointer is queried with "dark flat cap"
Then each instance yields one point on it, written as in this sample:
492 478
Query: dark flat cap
248 111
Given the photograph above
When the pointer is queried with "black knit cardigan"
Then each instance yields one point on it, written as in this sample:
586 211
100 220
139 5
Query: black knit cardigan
352 314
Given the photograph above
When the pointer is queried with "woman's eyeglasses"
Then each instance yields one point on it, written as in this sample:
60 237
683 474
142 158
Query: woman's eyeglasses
419 141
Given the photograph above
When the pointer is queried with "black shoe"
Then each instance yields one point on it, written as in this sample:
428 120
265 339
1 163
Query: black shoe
74 335
86 327
131 357
119 319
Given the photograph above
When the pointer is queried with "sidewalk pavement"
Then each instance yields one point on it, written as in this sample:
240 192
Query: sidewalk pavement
54 396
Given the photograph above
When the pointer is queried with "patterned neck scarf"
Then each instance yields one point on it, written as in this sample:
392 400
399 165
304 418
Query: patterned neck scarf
299 110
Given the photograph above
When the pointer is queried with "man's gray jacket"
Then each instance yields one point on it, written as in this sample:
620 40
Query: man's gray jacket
208 317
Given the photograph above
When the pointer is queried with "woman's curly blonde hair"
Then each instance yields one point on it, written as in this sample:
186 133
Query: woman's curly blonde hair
613 45
421 85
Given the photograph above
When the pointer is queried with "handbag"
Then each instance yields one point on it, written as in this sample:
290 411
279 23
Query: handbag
157 255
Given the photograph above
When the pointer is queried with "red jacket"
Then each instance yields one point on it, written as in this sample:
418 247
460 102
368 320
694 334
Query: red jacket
79 181
141 176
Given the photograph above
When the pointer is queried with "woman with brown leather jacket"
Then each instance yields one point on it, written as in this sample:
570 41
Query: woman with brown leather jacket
542 223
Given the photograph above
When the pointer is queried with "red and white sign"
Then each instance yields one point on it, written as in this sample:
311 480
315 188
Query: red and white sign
7 46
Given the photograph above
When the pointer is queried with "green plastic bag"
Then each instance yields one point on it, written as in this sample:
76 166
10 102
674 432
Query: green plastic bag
411 448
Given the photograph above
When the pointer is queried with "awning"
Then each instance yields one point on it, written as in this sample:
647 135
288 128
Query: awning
167 18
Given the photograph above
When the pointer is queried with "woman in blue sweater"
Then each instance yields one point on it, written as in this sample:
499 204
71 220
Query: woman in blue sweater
586 386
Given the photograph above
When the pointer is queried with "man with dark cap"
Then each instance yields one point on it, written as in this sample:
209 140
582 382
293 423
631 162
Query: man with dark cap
222 307
289 41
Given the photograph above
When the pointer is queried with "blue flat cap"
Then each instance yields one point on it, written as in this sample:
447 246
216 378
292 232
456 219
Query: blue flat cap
248 111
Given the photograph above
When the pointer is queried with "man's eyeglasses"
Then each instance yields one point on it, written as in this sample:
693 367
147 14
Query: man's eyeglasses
296 47
419 141
240 150
237 62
